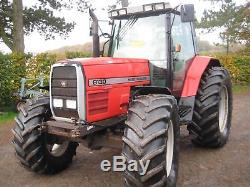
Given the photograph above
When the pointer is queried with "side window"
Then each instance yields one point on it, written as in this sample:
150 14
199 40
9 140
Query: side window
182 35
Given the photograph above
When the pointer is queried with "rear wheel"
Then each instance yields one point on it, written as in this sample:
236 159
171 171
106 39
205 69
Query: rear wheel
213 109
152 133
38 152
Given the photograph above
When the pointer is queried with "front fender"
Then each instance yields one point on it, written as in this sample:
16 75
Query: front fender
145 90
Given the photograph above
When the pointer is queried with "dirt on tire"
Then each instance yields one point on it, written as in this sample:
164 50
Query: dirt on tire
229 166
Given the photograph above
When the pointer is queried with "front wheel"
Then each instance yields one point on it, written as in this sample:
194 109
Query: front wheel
152 134
38 152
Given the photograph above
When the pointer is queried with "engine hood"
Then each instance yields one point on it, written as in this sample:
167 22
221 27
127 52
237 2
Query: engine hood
107 60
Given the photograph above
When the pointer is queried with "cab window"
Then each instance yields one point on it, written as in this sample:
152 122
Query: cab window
182 36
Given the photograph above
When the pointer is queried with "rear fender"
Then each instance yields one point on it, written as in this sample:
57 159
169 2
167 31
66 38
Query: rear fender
195 72
191 85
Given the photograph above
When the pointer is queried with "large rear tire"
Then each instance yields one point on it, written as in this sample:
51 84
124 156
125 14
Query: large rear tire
152 133
39 152
213 109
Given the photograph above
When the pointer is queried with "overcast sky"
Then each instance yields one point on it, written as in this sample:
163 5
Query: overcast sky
35 43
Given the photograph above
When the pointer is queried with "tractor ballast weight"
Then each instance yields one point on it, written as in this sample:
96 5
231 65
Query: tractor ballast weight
136 98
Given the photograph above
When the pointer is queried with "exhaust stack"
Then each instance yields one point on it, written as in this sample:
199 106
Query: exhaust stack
95 34
125 3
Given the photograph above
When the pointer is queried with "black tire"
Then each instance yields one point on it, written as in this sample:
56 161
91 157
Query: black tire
206 127
31 145
145 138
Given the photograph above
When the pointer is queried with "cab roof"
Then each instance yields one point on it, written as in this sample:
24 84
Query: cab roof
143 10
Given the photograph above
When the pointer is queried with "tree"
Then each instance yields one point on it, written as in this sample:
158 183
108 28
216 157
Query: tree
231 19
16 20
18 33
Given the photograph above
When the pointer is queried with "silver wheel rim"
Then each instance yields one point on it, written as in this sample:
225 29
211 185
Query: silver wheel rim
58 150
223 109
170 148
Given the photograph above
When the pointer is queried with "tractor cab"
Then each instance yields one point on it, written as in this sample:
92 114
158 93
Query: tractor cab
159 33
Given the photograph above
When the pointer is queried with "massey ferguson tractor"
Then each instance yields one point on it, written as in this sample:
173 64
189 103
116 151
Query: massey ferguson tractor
152 82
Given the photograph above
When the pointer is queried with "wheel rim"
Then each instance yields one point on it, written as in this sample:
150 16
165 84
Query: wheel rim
57 150
223 109
170 148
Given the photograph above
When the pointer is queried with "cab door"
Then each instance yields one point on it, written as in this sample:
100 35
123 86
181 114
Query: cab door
183 36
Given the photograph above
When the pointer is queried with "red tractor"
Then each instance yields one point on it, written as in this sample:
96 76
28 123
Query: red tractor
152 82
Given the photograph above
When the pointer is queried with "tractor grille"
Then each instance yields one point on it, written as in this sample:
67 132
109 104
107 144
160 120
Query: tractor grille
64 86
98 103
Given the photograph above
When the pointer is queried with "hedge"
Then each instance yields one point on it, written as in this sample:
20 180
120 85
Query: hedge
238 66
13 67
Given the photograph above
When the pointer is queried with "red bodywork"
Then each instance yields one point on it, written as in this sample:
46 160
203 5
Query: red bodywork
194 74
107 101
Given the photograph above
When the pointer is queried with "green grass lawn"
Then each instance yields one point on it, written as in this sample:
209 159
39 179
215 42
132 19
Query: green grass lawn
7 117
239 89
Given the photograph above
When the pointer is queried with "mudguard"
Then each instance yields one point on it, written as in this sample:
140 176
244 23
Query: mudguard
194 74
191 86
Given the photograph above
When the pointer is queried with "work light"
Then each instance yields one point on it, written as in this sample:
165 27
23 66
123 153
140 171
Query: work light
136 9
114 13
159 6
123 12
148 7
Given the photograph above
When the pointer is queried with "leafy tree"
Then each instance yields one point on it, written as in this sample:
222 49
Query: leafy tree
232 19
16 20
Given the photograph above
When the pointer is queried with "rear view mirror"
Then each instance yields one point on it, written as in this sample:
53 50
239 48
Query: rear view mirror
187 13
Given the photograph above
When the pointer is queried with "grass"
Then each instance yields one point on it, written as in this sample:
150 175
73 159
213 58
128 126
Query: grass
7 117
239 89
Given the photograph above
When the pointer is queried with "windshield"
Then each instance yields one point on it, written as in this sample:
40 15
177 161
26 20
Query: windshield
140 38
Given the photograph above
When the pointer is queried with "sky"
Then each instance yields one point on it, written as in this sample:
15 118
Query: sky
35 43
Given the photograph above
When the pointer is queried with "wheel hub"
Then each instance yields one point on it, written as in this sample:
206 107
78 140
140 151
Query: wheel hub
56 149
223 109
170 148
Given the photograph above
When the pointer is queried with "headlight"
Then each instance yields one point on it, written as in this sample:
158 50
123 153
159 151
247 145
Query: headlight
58 103
71 104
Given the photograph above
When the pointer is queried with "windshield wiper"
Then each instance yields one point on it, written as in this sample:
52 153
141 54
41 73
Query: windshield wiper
123 30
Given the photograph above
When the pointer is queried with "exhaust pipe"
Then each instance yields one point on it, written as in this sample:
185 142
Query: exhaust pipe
95 34
125 3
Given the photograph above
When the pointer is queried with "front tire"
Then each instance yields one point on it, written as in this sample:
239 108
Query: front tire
152 133
213 109
39 152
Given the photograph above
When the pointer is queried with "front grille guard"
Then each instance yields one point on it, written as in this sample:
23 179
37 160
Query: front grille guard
80 93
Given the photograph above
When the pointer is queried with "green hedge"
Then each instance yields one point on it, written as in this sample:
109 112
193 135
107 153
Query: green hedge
238 66
39 65
77 54
13 67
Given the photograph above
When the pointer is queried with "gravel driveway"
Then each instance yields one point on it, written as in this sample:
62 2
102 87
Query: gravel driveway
229 166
